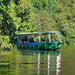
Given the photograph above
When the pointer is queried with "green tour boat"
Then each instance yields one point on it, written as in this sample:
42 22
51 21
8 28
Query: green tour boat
39 40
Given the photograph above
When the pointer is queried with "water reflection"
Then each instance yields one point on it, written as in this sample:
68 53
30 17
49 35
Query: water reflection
35 62
38 62
58 65
7 63
30 62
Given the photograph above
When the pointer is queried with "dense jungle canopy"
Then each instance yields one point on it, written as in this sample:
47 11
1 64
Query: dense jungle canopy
36 16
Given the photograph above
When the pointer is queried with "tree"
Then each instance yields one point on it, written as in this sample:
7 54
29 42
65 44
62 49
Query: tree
43 21
25 12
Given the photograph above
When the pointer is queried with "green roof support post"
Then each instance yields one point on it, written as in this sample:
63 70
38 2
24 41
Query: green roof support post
39 37
49 37
59 37
28 39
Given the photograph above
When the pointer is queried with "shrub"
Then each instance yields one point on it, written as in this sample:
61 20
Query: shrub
4 43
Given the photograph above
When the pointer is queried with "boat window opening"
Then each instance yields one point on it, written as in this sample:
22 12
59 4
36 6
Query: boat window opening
33 38
44 38
54 37
25 39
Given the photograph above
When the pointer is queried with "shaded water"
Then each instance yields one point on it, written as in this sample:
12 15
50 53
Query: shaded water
38 62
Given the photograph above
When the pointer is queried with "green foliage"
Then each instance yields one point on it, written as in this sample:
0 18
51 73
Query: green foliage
44 5
37 15
4 42
43 21
7 24
65 19
24 12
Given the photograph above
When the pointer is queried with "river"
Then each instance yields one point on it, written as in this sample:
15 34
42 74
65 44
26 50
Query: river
38 62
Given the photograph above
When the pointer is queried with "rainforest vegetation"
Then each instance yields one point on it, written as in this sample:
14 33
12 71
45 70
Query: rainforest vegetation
36 16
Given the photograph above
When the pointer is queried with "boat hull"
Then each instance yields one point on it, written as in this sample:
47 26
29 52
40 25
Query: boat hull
41 46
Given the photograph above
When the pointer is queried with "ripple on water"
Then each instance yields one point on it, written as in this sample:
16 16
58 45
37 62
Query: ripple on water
38 62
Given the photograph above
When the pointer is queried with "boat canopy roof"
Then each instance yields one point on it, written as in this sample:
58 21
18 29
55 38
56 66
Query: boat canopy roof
37 33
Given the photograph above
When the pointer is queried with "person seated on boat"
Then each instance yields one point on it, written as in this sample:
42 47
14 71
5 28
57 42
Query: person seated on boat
37 41
42 40
31 40
24 40
21 42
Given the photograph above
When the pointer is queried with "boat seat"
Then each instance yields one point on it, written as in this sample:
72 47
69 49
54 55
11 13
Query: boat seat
32 43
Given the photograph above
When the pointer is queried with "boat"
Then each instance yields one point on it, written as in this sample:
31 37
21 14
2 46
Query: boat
50 40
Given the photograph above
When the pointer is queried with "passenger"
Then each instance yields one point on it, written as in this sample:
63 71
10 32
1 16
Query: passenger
24 40
42 40
37 41
31 40
21 42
